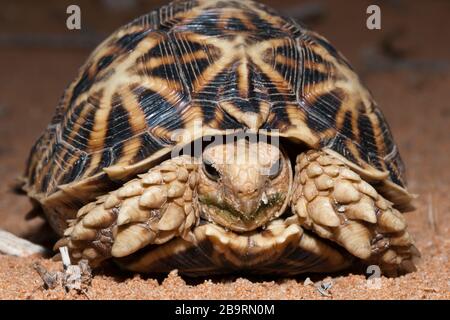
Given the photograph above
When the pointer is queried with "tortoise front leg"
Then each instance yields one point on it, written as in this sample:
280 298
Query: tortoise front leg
151 209
337 204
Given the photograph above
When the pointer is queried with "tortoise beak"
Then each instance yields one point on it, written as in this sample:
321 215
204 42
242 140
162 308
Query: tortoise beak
249 205
247 208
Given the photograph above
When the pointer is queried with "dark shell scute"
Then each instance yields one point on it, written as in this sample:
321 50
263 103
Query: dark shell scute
321 114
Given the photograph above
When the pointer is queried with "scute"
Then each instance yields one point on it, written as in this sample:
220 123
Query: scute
226 64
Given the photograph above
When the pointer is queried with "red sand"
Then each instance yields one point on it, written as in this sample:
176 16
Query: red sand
415 101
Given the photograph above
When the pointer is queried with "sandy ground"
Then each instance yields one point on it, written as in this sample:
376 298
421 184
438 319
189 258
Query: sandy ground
413 92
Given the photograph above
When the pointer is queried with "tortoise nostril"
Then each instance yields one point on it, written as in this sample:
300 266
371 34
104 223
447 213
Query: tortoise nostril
247 193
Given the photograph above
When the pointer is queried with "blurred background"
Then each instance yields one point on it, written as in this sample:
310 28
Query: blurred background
406 65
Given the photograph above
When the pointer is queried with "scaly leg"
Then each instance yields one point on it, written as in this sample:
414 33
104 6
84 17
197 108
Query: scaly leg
151 209
333 201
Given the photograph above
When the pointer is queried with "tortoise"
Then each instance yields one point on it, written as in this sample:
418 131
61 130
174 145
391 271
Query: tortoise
215 136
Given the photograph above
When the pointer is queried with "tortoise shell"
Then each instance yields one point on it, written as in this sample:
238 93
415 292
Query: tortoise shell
214 66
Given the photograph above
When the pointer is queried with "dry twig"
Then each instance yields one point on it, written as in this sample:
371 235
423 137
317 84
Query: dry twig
74 277
14 246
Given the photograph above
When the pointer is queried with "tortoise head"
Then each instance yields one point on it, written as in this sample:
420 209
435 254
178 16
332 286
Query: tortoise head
243 185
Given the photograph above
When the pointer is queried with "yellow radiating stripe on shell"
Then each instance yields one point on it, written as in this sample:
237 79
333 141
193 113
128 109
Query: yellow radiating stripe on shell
136 115
283 86
130 148
243 74
290 62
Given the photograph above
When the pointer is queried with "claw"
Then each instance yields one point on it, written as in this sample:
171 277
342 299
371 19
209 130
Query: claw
131 239
172 218
322 212
131 212
82 233
355 238
98 218
391 222
363 210
344 192
153 197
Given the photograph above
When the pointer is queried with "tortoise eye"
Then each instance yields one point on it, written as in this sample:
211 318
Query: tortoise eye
276 169
210 171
